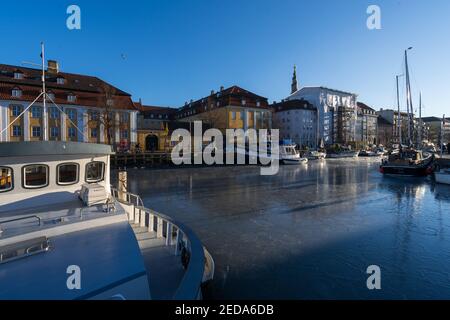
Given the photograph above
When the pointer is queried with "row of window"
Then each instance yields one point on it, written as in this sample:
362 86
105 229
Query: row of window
36 112
20 75
54 113
37 132
37 176
54 132
17 93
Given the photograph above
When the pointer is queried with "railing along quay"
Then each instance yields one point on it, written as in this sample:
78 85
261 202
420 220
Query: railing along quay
144 159
185 242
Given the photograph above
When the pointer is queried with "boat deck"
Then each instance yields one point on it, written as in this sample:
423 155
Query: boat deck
163 266
24 221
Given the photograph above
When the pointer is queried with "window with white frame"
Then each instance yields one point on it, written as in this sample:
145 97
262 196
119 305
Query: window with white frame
18 75
54 132
16 93
16 110
60 80
71 114
16 131
71 132
6 179
95 171
71 97
67 173
54 113
36 131
51 96
35 176
36 112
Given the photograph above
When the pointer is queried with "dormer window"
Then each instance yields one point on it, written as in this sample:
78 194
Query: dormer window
18 75
51 95
243 102
16 93
258 103
71 97
60 80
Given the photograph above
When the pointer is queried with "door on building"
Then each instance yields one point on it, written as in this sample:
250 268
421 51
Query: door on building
151 143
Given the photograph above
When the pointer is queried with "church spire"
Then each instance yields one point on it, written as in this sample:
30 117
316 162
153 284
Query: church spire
294 87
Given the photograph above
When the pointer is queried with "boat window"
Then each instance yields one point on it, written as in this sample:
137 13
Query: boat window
35 176
67 173
6 179
95 171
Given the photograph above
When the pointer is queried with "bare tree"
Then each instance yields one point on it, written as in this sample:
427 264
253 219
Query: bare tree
106 117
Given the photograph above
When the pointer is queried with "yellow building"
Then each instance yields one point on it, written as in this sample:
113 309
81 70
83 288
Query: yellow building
92 110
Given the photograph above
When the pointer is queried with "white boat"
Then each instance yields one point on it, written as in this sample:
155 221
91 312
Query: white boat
66 234
343 154
442 176
315 155
290 155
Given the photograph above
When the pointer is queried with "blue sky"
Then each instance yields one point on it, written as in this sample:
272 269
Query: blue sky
168 52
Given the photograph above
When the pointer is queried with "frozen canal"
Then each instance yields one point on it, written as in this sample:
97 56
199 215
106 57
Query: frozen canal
310 232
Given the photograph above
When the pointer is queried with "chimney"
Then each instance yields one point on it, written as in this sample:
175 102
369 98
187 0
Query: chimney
212 92
191 101
221 88
52 66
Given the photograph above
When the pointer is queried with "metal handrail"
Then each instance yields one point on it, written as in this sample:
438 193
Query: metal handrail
190 284
22 218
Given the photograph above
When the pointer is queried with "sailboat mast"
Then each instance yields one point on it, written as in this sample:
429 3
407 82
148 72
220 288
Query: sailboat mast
408 97
44 96
399 118
420 121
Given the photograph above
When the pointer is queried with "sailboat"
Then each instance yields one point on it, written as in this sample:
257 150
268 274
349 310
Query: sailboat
408 161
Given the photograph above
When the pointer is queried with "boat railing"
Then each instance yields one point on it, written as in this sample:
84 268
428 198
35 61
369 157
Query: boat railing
20 219
183 240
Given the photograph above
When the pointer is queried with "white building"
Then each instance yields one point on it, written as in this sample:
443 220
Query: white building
337 112
297 121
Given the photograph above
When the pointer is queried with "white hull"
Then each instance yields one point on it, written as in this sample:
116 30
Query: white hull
342 155
295 161
443 178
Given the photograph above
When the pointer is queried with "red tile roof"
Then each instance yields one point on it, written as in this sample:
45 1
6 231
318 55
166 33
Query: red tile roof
89 91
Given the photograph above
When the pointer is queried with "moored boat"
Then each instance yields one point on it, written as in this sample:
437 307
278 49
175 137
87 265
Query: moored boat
290 155
343 154
409 162
443 176
61 219
315 155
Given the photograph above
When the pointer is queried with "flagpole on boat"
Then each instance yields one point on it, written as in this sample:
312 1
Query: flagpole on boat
44 96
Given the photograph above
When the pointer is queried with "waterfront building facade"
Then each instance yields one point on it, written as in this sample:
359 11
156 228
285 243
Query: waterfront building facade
231 108
393 117
153 127
93 110
297 121
366 125
337 113
385 132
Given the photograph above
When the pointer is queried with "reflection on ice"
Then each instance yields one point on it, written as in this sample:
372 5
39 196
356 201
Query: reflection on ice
311 231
